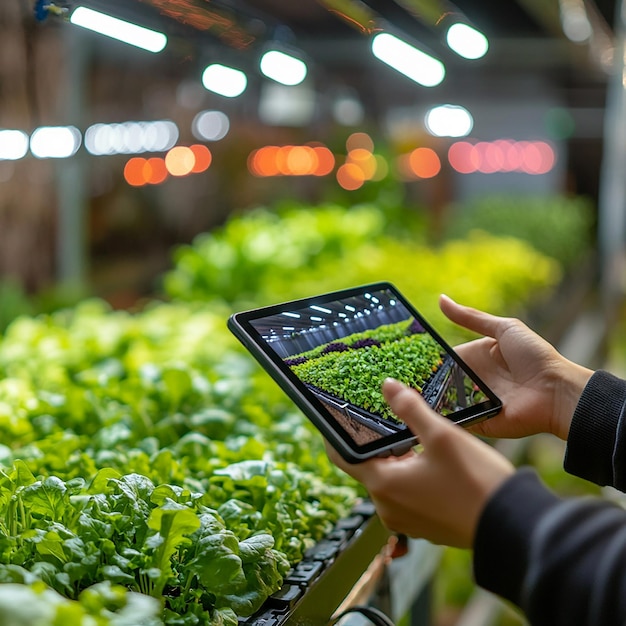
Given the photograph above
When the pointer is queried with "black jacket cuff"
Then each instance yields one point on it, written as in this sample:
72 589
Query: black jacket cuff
592 434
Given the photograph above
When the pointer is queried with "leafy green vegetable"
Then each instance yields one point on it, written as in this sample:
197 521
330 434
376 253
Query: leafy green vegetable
150 472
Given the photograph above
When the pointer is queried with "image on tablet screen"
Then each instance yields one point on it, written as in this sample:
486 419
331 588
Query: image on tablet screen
343 350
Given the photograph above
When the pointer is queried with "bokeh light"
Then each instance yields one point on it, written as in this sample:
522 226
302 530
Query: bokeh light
154 171
358 141
424 163
203 158
350 177
180 161
307 160
502 156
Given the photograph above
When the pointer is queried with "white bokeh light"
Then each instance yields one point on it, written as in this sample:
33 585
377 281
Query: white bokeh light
283 68
408 60
55 142
449 120
210 125
224 81
13 145
467 41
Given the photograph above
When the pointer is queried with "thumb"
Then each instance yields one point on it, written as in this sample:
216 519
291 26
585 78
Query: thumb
412 409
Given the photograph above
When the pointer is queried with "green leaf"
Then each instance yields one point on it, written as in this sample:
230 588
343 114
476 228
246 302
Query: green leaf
173 523
223 617
21 474
177 383
100 482
217 564
47 498
52 545
253 548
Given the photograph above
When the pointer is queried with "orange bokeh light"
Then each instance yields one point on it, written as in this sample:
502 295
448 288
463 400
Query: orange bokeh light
350 177
263 163
282 160
180 161
203 158
154 171
363 159
291 161
424 163
302 161
360 141
325 161
134 172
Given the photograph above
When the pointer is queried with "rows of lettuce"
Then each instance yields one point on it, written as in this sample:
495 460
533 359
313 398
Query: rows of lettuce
389 350
149 471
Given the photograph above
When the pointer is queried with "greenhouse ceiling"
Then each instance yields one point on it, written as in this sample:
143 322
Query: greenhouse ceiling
571 39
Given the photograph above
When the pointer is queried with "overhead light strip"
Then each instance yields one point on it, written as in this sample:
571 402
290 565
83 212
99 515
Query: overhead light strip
408 60
127 32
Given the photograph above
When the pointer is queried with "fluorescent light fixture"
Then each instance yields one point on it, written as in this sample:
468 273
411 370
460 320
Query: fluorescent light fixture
467 41
283 68
449 120
55 142
288 314
408 60
223 80
110 26
321 309
575 22
13 145
316 319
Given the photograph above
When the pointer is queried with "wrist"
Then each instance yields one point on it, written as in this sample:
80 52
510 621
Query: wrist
571 380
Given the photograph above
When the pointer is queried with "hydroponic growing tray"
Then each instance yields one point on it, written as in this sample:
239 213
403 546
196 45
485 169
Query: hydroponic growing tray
317 585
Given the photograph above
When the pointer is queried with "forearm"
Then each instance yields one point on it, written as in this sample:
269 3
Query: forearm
562 561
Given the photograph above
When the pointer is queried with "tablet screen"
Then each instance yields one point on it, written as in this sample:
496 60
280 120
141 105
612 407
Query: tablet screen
341 350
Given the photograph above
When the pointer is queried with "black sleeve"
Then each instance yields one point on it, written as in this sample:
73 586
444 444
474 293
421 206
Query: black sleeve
596 444
563 562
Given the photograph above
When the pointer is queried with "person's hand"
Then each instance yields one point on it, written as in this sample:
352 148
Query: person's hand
438 493
539 387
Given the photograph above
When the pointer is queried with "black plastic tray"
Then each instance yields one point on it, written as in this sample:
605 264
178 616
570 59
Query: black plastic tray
317 585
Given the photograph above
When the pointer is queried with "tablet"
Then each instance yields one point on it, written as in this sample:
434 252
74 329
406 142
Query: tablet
330 353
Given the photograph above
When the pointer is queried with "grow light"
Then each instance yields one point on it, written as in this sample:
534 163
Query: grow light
466 41
408 60
109 26
283 68
225 81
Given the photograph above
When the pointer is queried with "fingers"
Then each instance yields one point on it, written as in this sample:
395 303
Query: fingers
412 409
473 319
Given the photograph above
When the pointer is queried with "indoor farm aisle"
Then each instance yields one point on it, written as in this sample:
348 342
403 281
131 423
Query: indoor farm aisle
149 466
